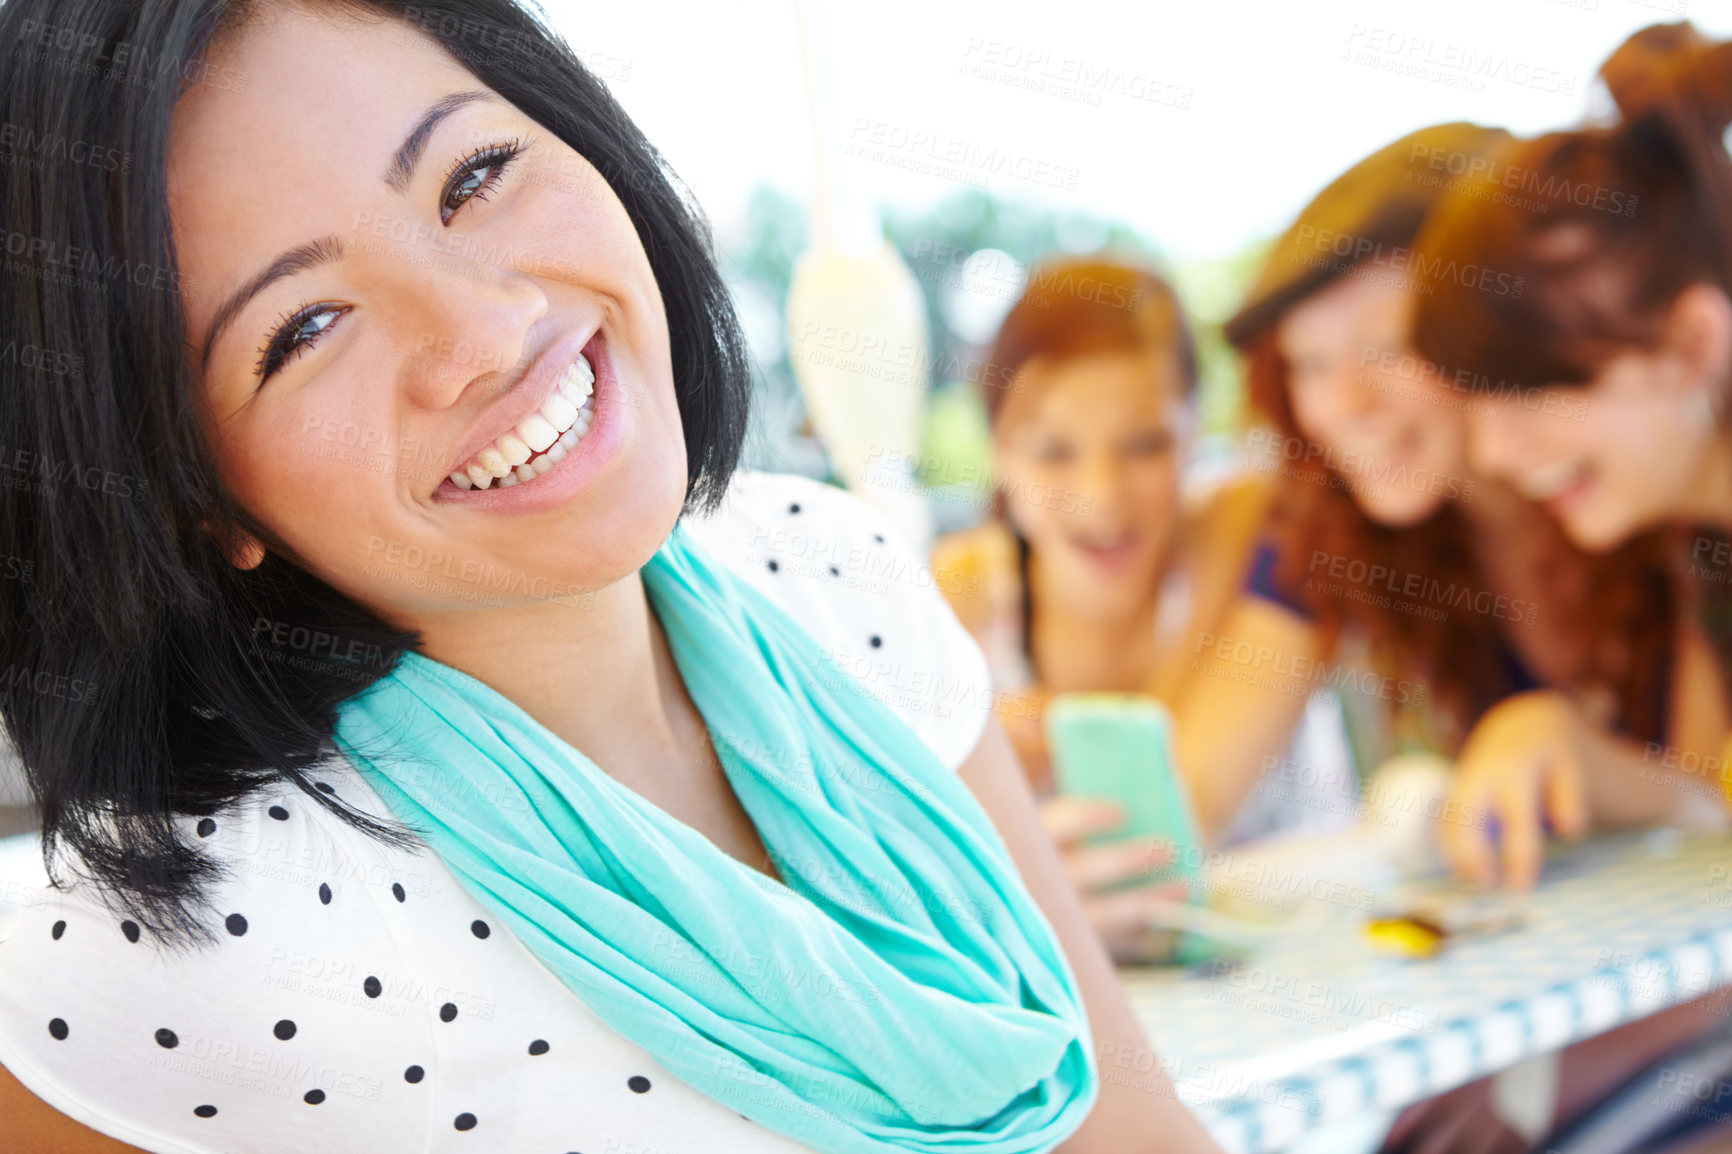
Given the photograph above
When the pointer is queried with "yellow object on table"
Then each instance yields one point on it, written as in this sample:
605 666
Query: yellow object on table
1406 937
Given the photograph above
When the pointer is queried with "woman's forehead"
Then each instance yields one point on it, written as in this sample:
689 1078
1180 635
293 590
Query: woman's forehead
302 141
308 83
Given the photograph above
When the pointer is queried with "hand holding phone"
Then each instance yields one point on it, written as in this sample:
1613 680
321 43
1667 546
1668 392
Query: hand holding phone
1118 746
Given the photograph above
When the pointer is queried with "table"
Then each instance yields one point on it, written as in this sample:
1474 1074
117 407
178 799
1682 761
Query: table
1318 1030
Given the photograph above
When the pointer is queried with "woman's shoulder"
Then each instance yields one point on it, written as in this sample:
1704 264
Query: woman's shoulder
978 571
356 998
839 568
1226 517
985 550
205 1045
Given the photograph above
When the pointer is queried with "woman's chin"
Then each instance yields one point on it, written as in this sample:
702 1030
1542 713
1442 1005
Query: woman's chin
1398 511
1595 527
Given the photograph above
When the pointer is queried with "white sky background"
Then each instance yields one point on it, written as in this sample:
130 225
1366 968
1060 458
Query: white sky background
1274 113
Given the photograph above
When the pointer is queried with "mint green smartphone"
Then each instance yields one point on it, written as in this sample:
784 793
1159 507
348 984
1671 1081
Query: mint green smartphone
1119 746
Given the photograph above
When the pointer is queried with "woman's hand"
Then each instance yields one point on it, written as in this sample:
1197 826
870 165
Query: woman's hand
1538 759
1120 915
1523 767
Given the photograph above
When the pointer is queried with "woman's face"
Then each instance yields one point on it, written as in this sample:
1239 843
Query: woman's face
1366 405
1089 459
389 297
1630 449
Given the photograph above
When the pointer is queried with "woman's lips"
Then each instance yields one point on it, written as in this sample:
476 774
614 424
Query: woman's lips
1559 485
1110 555
1572 494
538 442
594 450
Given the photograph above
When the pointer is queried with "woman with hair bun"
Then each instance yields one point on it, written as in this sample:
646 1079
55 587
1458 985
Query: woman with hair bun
1625 319
1385 550
1602 395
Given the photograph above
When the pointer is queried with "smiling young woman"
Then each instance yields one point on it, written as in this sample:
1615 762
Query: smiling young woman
435 748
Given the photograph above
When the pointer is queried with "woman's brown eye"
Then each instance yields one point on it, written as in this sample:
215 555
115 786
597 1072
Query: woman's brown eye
473 179
471 183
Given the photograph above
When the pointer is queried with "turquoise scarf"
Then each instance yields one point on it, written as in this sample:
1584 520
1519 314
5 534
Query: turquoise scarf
900 992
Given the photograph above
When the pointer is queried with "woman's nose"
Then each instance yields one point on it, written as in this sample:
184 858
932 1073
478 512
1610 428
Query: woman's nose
462 324
1495 439
1101 480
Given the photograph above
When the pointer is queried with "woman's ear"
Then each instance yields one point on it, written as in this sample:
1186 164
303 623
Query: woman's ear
1699 333
246 552
243 550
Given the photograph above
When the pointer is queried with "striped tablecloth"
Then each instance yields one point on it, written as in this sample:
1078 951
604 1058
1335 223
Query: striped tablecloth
1317 1030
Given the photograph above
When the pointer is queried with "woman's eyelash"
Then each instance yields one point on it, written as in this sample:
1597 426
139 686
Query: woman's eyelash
492 160
291 337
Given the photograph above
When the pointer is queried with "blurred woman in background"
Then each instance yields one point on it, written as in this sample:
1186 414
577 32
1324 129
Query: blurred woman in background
1384 551
1389 549
1095 568
1626 315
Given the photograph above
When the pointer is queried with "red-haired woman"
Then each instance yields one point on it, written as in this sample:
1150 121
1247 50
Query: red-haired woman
1094 571
1384 549
1453 586
1627 316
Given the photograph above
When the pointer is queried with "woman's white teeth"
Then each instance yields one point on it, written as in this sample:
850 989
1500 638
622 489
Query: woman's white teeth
516 452
493 461
560 413
1549 481
537 433
541 440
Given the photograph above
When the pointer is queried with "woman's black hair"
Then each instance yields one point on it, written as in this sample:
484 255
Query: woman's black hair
142 675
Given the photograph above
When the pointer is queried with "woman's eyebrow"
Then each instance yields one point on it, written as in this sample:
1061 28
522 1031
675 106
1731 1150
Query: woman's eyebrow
397 177
402 169
322 251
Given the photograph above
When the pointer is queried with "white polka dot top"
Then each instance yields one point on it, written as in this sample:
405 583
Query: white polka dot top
359 999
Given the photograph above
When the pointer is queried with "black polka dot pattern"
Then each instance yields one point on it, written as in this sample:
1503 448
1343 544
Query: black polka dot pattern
321 952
